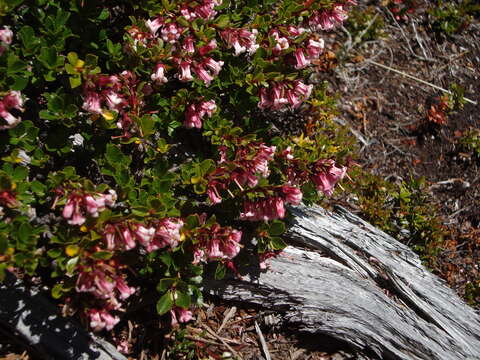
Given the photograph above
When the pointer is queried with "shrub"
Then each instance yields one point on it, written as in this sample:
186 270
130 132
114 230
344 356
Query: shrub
143 139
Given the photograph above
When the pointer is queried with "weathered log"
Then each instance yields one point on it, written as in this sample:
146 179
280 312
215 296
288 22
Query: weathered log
35 321
361 286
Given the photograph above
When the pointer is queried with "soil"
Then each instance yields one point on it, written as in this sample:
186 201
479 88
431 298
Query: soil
389 113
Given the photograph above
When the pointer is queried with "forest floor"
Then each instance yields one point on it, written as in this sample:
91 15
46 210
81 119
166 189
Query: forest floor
380 76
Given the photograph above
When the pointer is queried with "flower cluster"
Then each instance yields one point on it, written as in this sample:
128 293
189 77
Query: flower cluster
304 52
271 208
216 243
101 319
13 100
80 204
124 236
101 280
327 174
241 40
186 53
195 113
104 94
6 37
280 94
201 9
250 161
328 19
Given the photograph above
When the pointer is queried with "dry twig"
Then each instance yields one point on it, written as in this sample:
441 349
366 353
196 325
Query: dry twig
262 341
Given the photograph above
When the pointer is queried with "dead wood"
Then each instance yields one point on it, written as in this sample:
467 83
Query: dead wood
361 286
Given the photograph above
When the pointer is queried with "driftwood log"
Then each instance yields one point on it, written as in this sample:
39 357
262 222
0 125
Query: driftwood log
36 324
358 285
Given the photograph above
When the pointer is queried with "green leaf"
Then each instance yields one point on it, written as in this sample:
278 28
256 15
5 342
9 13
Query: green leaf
72 58
57 291
277 227
75 81
71 265
54 253
182 299
165 284
20 82
220 271
165 303
148 125
277 243
3 243
3 268
222 21
24 232
20 173
49 58
15 65
115 157
102 255
104 15
91 60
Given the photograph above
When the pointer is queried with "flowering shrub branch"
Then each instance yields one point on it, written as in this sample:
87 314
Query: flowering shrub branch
149 152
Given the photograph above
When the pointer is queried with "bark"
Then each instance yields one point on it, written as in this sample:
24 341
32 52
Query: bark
32 320
361 286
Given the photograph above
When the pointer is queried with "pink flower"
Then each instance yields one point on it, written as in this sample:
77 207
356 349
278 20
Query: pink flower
72 211
282 44
92 103
167 233
101 319
302 89
171 33
315 48
13 100
113 100
203 74
265 101
179 314
186 75
205 11
128 240
192 117
287 153
143 235
293 98
187 14
6 35
292 194
205 49
154 25
91 205
213 65
122 287
188 44
327 176
302 61
267 209
11 120
241 40
295 31
208 107
339 13
159 74
277 94
213 194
